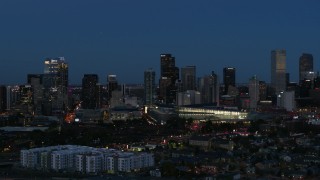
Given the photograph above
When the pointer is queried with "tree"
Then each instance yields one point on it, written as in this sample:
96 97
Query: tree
208 127
169 169
255 125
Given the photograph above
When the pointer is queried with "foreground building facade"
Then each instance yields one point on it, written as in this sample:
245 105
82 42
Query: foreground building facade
73 158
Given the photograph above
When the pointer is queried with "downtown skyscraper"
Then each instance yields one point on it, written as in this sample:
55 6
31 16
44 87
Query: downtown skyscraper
229 78
90 91
278 70
254 92
112 84
58 70
55 81
209 87
36 82
169 76
188 78
149 86
305 67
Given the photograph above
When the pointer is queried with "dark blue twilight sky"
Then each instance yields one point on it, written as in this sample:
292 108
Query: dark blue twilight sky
125 37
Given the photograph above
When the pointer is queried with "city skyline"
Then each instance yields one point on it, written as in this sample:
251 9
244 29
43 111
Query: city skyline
101 37
220 76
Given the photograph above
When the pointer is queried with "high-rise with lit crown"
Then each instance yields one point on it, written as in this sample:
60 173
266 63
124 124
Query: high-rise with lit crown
168 67
229 78
57 67
55 80
169 76
112 84
278 70
149 86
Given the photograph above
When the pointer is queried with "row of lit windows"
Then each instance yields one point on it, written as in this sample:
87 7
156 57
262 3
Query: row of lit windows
211 111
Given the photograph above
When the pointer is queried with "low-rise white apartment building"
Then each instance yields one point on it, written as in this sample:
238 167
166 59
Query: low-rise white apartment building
34 158
84 159
130 161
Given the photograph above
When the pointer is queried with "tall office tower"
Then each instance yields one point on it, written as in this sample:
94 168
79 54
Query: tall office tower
254 92
209 89
278 70
188 78
101 96
112 85
35 80
164 88
262 91
90 92
168 68
26 94
57 67
8 97
169 76
149 86
3 99
305 66
55 82
179 85
229 78
13 96
26 99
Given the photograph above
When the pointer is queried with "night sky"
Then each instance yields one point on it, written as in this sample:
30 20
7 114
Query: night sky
125 37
